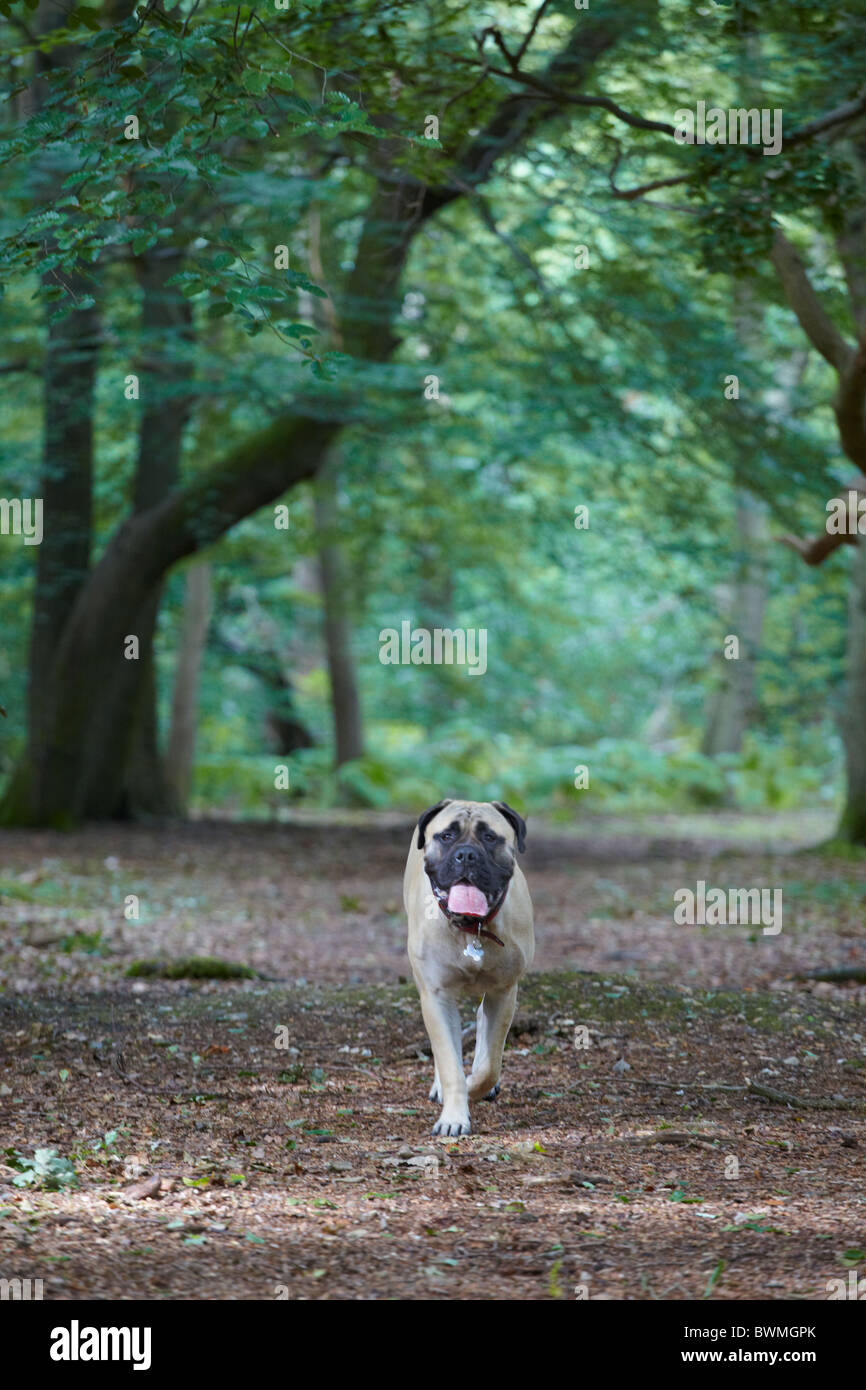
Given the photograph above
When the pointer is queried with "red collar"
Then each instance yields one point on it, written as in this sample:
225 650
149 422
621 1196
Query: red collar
476 931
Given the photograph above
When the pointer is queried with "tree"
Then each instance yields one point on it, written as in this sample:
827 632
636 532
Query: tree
181 738
254 133
75 766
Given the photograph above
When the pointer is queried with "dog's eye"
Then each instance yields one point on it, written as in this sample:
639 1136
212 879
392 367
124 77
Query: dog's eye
445 835
490 835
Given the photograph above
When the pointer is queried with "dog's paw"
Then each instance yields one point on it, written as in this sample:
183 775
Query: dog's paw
491 1095
435 1095
454 1125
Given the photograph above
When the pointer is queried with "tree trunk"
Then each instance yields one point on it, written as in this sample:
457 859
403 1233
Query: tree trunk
79 772
852 827
732 705
165 370
345 699
66 481
193 638
65 489
286 733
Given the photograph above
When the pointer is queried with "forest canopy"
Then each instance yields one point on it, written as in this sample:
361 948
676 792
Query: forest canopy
320 323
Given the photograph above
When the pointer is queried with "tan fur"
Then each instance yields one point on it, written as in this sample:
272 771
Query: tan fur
443 973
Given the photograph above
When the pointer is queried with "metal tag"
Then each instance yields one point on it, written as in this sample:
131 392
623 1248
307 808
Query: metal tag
474 950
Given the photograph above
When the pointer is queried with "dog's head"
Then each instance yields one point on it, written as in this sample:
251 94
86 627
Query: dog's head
469 853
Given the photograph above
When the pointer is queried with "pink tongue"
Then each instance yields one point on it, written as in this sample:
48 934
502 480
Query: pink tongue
465 899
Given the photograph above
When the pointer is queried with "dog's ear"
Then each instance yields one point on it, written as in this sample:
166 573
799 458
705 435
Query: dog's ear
517 823
424 821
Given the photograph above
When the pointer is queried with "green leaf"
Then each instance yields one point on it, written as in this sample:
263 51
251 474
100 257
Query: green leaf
267 292
256 81
143 242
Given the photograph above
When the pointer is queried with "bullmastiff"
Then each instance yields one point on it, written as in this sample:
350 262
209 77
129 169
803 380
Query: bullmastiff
470 932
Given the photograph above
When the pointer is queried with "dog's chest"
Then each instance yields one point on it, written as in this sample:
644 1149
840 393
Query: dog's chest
476 964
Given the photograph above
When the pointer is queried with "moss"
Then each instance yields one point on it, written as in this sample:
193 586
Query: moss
9 888
615 998
837 848
192 968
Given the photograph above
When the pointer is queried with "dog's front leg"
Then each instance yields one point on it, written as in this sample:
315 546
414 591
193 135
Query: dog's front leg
442 1021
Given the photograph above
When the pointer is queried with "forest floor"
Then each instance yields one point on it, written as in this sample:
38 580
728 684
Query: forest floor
270 1137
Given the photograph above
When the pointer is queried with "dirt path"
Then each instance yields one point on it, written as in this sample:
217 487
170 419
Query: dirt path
634 1166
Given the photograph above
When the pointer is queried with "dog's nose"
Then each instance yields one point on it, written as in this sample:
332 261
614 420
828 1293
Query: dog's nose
466 855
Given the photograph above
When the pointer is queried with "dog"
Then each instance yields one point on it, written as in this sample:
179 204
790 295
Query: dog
470 932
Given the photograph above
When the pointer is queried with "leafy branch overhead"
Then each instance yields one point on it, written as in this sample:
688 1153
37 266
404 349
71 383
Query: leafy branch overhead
151 117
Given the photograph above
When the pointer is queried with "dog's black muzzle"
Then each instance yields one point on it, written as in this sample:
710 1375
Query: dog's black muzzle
469 863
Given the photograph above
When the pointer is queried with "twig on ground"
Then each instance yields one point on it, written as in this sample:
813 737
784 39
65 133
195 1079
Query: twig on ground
673 1136
836 975
802 1102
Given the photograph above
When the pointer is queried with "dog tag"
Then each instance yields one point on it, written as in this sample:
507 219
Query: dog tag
474 950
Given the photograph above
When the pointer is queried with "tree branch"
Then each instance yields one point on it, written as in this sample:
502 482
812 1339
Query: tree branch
847 112
530 34
631 194
850 405
803 299
816 551
840 115
520 111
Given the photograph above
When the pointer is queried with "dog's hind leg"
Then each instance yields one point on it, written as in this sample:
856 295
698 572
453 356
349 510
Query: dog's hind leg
479 1056
495 1013
436 1089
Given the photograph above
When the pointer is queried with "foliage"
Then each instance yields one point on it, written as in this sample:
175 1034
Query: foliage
190 968
407 769
46 1169
558 386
